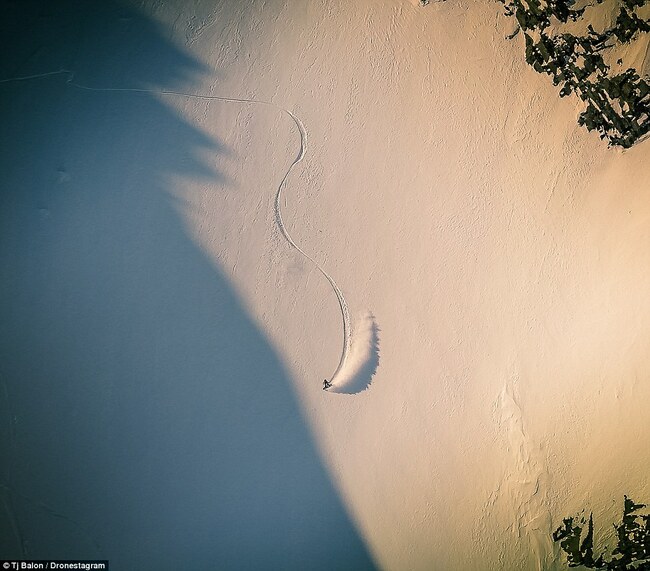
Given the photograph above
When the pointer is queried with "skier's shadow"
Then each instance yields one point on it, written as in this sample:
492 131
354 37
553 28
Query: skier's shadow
143 409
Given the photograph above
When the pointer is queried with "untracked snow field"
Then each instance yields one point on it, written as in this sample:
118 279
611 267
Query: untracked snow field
209 207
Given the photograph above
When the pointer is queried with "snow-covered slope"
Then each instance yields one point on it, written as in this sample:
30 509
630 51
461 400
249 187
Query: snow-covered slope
164 346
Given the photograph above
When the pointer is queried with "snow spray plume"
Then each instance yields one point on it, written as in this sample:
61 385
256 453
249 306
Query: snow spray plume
355 374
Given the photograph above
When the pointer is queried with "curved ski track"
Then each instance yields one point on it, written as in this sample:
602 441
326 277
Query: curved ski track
345 312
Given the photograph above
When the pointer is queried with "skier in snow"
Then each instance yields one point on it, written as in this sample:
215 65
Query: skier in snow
326 384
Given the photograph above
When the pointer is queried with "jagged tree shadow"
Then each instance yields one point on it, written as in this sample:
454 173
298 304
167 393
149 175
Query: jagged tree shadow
145 416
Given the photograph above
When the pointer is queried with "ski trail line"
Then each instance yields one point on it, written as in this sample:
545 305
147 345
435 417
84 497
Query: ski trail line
345 312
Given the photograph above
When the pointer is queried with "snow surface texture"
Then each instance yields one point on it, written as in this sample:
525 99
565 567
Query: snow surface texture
163 348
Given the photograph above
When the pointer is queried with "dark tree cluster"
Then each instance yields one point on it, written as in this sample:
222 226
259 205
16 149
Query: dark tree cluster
617 105
631 552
